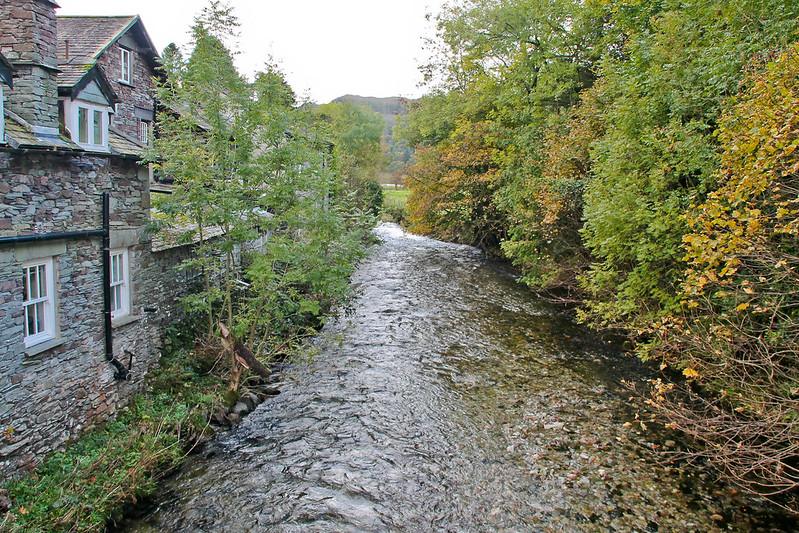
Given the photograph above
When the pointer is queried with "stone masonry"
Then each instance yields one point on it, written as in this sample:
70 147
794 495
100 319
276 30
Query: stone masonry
139 93
50 397
51 392
28 40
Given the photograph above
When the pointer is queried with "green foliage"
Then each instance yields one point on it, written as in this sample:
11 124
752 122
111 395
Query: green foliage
370 195
577 136
356 132
87 485
247 163
736 334
665 92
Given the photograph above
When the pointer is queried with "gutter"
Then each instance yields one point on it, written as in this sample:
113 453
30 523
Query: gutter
122 373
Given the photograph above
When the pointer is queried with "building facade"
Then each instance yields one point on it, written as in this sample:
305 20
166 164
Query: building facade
120 50
82 295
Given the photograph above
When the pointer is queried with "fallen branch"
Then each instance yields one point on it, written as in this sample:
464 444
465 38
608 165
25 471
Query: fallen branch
242 355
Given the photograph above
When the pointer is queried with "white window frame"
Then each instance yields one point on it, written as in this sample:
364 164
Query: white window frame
122 281
49 301
126 66
72 112
144 132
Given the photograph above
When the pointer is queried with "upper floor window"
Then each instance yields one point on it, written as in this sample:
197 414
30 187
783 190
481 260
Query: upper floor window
120 283
38 301
126 72
144 132
90 125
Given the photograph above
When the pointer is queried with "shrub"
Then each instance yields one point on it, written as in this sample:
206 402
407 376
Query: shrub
737 339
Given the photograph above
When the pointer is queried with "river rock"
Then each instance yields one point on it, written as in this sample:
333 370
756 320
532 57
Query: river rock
270 390
250 399
219 417
240 409
5 501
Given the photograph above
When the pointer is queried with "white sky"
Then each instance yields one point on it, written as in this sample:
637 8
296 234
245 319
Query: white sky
327 48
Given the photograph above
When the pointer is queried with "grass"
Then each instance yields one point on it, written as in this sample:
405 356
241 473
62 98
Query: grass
89 484
396 198
394 201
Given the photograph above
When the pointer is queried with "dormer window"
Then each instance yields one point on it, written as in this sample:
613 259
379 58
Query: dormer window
87 123
90 126
125 72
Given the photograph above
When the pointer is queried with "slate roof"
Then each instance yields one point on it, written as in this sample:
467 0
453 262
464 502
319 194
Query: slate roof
81 41
19 135
124 145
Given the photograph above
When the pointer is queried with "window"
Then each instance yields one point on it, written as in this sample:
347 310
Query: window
83 125
144 132
38 290
120 284
125 72
92 125
97 127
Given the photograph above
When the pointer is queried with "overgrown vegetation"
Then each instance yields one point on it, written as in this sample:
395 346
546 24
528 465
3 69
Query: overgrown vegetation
266 187
87 485
636 158
356 132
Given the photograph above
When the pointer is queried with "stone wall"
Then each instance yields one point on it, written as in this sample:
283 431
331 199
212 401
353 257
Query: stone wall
28 35
139 93
48 397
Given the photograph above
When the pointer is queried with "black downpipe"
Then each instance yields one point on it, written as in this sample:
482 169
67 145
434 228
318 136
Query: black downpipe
121 373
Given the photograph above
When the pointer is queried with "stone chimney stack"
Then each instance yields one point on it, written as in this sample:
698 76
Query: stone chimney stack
28 40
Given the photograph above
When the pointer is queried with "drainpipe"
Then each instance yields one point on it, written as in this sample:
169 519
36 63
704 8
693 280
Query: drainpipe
121 373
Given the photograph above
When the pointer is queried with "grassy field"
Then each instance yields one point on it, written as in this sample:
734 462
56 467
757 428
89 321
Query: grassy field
395 197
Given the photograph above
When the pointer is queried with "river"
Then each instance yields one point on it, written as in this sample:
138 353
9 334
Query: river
446 397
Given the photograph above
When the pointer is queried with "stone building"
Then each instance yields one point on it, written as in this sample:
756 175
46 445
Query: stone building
81 294
120 49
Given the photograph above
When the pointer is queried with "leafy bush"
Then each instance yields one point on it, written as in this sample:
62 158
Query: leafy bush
370 196
738 337
664 94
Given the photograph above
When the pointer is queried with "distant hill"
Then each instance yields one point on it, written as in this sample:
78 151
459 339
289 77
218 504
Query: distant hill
390 108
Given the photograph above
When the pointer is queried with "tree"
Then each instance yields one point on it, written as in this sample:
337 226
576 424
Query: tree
248 165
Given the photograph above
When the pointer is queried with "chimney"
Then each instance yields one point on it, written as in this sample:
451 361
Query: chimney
28 40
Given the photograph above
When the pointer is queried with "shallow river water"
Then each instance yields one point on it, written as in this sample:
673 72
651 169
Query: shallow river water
446 398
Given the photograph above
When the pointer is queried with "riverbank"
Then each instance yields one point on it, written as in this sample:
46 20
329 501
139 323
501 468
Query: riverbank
109 468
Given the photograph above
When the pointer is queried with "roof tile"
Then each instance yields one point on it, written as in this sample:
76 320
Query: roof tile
80 42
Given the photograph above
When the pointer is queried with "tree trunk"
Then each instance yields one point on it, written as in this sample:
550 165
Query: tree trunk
242 355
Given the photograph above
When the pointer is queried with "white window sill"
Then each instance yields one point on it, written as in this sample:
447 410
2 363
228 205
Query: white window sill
128 83
94 147
42 347
124 321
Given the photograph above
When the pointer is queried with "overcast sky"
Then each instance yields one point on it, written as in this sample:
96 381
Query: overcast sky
327 48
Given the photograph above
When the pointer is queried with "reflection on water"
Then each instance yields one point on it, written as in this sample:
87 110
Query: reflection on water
446 398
